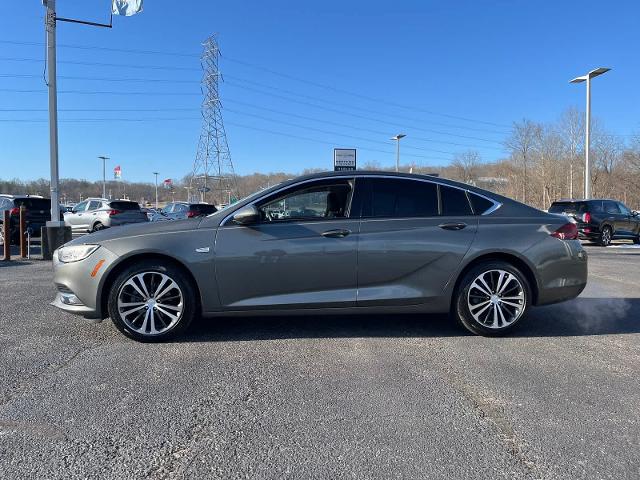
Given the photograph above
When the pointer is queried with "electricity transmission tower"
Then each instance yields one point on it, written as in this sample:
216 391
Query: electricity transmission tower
212 169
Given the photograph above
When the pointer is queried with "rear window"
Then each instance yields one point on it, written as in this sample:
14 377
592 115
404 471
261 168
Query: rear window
454 202
480 204
575 207
118 205
33 203
203 208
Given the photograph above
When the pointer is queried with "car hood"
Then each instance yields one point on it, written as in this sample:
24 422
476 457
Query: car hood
136 229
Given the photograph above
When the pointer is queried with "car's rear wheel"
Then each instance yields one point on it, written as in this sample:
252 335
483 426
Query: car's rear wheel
152 301
605 236
97 227
491 298
636 239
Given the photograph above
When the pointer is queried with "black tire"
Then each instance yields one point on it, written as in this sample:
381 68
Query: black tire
462 298
97 227
636 240
149 267
606 235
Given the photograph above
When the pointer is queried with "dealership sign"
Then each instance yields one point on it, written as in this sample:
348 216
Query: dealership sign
344 159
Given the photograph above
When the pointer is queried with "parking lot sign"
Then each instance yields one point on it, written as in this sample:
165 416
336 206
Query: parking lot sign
344 159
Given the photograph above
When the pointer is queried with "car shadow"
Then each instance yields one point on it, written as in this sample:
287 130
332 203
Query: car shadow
578 317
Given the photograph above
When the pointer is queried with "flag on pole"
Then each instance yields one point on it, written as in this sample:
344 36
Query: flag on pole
126 7
117 173
168 183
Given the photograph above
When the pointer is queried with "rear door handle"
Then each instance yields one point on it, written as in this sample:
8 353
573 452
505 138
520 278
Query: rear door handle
339 233
452 226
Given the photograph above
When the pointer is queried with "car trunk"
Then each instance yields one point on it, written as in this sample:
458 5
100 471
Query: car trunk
127 212
37 212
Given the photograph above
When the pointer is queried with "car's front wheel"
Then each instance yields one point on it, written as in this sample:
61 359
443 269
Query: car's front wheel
152 301
491 298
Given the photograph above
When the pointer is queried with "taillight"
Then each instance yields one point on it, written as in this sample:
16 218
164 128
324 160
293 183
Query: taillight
569 231
192 213
114 212
14 211
586 218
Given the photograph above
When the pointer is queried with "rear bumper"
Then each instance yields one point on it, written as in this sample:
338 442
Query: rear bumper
566 277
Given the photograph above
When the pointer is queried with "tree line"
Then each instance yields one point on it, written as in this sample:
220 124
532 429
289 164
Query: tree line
544 162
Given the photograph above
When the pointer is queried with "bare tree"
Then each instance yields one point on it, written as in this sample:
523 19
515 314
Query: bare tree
521 144
466 166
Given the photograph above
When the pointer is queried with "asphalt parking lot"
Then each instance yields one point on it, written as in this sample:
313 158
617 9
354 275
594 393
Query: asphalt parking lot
325 397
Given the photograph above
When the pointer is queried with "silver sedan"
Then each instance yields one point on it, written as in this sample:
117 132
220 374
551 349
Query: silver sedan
341 242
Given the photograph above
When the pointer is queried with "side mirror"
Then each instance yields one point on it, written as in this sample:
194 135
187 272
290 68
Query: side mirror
247 215
635 213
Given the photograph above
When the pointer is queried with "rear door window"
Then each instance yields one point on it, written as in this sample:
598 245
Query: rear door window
454 202
94 205
391 197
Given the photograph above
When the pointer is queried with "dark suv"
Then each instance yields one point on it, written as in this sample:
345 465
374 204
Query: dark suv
601 220
37 213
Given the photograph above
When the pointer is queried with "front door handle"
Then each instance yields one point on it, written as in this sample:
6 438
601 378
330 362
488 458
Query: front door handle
452 226
339 233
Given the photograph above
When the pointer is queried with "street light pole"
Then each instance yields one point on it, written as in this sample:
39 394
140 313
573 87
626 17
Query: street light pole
104 176
156 174
54 222
587 138
397 139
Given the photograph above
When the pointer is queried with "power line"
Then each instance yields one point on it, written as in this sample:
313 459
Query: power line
280 74
240 79
91 92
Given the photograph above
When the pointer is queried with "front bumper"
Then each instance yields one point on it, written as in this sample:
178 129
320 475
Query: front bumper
79 283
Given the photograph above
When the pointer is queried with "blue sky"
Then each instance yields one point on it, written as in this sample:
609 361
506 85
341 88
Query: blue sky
303 77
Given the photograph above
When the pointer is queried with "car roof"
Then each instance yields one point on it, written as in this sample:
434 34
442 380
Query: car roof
579 200
387 174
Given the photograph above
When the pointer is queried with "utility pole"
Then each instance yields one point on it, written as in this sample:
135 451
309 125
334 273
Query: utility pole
397 139
156 174
54 227
104 175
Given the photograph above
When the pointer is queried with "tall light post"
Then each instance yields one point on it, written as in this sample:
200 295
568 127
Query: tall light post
156 174
104 175
587 142
54 226
397 139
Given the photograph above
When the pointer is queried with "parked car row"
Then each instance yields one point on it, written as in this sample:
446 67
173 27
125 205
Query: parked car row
90 215
599 220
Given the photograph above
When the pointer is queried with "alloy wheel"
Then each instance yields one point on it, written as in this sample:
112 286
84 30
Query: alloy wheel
606 236
150 303
496 299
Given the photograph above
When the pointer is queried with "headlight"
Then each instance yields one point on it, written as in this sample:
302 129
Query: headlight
75 253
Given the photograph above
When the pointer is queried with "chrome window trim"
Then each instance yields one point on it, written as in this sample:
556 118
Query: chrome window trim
489 211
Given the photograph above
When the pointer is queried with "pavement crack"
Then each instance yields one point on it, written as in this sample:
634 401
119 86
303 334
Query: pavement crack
48 372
